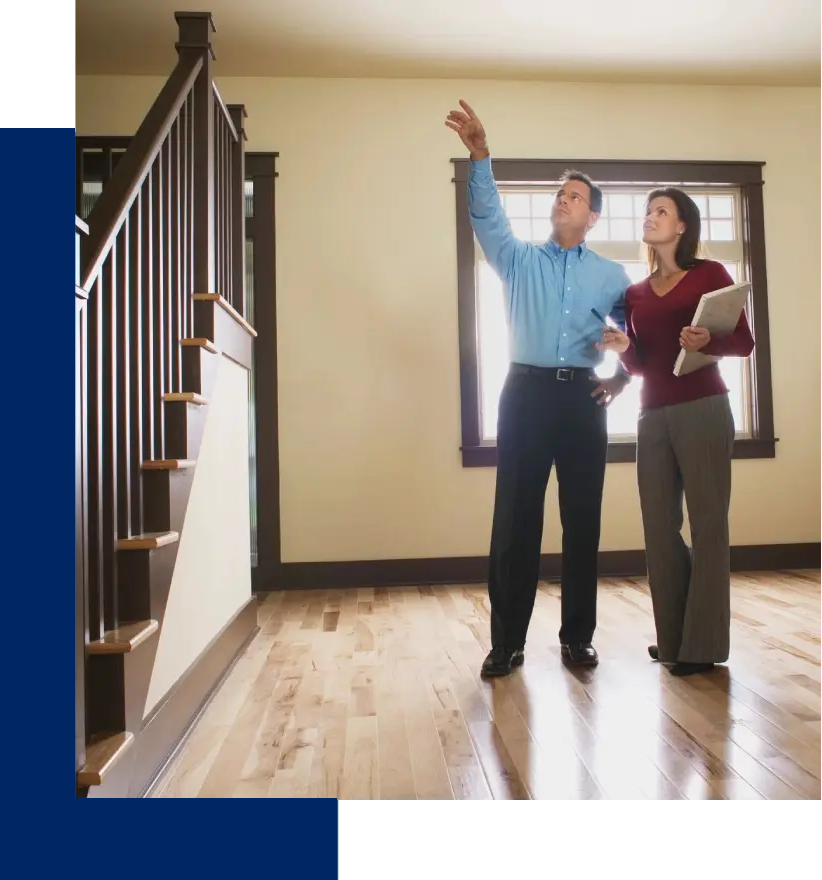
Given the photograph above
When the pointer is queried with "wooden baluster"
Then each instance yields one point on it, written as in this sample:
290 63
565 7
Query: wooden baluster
176 327
225 287
170 292
150 390
95 458
108 407
134 343
237 203
185 262
218 202
158 293
228 157
121 415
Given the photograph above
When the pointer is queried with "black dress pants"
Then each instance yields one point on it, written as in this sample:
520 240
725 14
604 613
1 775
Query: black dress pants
547 417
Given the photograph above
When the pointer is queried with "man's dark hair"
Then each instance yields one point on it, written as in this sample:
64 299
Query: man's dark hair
596 192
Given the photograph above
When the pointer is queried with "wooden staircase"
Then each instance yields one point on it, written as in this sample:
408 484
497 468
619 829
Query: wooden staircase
169 222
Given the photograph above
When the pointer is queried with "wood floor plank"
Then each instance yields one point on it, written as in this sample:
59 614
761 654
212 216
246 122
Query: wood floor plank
370 693
396 775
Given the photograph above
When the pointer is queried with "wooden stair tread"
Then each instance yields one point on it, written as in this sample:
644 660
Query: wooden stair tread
200 342
223 303
185 397
124 639
102 754
148 541
168 464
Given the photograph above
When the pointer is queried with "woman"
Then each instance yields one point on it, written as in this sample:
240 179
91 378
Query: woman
685 436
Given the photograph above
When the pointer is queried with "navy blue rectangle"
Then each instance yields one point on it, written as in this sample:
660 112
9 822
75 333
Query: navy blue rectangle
37 242
37 445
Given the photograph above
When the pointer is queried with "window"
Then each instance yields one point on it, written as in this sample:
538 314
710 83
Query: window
97 157
618 236
729 200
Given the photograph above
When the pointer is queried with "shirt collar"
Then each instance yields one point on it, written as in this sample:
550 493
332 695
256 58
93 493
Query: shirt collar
555 250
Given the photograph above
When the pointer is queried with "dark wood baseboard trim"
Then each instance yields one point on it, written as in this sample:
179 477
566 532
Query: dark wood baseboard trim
170 722
473 569
775 557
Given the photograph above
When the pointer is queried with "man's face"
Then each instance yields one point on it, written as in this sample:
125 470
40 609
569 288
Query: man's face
572 212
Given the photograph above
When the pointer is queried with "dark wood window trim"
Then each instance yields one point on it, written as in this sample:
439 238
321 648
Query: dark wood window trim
745 175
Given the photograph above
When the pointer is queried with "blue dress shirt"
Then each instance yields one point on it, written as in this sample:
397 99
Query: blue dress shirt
549 291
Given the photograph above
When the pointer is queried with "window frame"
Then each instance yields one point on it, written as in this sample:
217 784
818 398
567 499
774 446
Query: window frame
746 176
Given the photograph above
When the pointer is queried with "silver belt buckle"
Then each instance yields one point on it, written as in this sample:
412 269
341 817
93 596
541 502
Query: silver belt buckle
564 374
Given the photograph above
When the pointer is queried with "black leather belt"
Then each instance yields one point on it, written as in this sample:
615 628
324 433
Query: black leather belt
561 374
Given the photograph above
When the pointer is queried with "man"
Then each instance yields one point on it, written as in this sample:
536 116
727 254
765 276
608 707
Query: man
548 411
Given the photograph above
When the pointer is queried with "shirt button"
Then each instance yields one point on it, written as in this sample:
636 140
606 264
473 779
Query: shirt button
564 334
567 311
569 288
562 359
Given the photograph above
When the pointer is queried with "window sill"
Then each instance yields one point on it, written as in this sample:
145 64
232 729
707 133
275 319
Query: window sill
744 447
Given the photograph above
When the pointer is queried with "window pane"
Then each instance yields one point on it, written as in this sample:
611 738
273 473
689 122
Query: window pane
722 230
621 206
541 204
639 206
249 280
721 206
733 372
636 271
518 205
493 340
522 228
599 232
638 229
622 230
91 192
541 230
701 203
622 413
248 191
733 271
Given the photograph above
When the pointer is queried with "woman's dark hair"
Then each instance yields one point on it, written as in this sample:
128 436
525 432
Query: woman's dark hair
688 251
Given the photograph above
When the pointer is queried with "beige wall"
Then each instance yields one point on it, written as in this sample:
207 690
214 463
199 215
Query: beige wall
366 264
212 577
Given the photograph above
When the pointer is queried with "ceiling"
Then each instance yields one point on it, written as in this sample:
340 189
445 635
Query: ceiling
762 42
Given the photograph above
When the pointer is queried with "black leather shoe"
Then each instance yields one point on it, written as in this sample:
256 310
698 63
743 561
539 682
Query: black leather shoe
502 662
653 651
580 654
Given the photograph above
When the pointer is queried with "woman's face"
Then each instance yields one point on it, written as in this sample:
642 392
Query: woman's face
662 224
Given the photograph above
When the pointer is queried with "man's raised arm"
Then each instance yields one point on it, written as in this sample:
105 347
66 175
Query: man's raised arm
485 209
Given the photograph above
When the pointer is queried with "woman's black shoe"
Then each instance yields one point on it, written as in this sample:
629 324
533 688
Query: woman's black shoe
654 652
690 668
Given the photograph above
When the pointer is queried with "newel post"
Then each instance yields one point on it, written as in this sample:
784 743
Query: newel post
195 30
238 116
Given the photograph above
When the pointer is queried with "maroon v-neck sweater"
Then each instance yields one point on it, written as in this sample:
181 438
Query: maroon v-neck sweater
654 324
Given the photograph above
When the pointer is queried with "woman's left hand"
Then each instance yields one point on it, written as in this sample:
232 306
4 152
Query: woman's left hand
694 338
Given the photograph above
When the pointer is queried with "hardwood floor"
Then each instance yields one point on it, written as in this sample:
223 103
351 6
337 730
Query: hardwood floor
375 693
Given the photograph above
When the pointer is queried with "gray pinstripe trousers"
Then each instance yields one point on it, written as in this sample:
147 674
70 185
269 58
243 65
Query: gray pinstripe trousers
687 449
